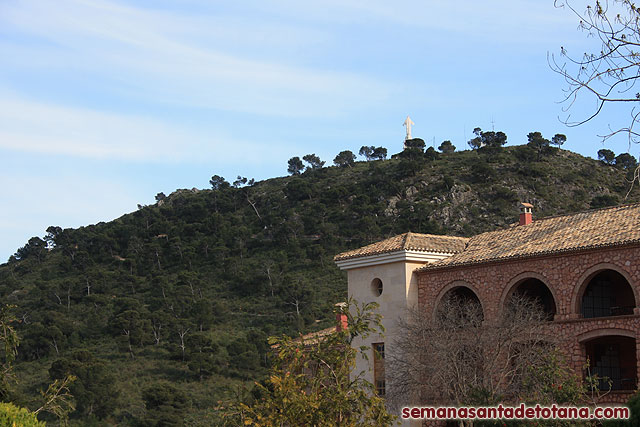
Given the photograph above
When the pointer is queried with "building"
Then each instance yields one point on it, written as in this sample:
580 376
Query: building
584 267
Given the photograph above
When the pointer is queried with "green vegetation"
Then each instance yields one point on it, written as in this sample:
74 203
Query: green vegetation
312 383
490 139
8 346
542 146
11 416
295 166
634 419
447 147
369 152
606 156
345 159
186 291
313 161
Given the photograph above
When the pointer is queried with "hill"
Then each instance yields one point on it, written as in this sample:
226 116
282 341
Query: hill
176 300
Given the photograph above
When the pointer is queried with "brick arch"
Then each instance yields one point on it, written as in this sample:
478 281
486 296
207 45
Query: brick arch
583 281
457 284
606 332
515 281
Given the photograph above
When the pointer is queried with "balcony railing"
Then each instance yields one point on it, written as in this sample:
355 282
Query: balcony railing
618 379
593 312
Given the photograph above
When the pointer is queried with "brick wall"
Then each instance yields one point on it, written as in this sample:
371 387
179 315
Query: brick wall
566 276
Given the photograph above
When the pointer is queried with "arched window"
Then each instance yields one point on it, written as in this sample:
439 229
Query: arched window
463 294
461 301
536 290
607 294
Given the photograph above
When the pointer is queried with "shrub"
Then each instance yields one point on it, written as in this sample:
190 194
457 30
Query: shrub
481 172
604 200
524 153
11 415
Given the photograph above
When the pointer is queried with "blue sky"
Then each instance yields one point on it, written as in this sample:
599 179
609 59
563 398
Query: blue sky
105 103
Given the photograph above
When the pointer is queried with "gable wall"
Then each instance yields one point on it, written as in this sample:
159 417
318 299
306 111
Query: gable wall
400 293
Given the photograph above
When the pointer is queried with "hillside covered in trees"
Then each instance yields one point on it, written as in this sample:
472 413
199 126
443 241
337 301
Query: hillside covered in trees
165 311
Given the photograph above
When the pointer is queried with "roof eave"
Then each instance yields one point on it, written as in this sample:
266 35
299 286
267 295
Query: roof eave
436 267
390 257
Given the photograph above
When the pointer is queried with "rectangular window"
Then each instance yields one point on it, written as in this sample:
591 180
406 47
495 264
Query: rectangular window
607 366
378 368
379 350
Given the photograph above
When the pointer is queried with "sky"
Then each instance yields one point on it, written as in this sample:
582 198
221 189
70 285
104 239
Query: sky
105 103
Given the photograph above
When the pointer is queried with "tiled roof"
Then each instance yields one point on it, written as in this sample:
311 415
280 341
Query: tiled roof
591 229
315 337
409 242
312 337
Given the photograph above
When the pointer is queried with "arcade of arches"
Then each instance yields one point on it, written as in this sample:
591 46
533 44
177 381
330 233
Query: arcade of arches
585 295
607 293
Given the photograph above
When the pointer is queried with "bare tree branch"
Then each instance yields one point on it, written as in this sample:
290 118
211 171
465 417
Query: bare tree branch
456 357
609 74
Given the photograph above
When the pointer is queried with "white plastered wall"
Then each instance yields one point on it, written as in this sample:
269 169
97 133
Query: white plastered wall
400 293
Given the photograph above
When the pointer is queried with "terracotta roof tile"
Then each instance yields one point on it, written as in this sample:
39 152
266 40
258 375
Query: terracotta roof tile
409 242
315 337
312 337
591 229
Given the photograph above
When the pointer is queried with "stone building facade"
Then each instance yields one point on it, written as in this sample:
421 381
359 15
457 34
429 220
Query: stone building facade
584 268
566 278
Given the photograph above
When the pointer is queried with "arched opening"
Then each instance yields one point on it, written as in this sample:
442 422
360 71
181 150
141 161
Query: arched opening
612 359
536 290
607 294
464 294
462 302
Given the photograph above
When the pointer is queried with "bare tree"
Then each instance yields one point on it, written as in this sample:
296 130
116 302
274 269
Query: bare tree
182 332
127 333
156 327
58 399
456 357
609 73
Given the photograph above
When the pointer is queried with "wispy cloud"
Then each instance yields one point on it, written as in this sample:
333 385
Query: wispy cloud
156 56
36 127
503 21
163 93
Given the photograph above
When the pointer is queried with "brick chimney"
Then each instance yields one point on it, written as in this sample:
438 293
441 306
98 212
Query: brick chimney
526 215
341 317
